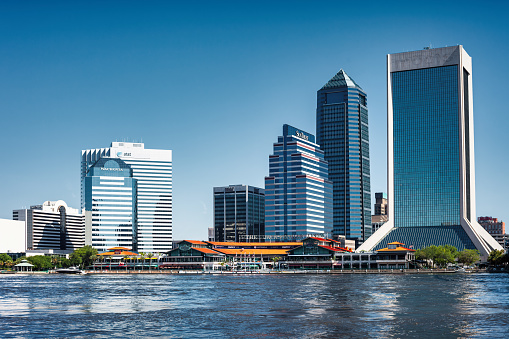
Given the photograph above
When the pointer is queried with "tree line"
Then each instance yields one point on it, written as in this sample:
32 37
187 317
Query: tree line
81 257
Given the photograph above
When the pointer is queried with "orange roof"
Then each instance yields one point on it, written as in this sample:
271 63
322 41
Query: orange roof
195 242
399 248
121 253
240 244
395 243
205 250
249 251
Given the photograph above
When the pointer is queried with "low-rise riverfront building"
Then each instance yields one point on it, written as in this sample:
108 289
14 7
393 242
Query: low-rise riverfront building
116 258
311 253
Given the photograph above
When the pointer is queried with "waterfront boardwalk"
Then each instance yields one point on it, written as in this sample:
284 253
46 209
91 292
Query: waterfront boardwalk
358 271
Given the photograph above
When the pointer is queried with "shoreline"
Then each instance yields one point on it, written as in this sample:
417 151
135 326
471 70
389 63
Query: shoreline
285 272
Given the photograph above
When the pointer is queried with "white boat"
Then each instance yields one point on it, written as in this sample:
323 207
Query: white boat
70 270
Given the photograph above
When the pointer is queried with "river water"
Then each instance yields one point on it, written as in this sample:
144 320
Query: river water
255 306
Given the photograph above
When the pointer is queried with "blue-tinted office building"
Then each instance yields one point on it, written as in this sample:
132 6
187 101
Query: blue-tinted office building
298 193
342 133
431 194
110 205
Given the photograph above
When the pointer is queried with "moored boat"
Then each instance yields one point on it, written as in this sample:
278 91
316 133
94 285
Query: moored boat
70 270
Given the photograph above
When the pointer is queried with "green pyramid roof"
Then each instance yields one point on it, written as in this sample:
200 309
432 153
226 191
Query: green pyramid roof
341 80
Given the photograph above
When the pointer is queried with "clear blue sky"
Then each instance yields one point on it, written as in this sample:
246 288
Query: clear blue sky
215 81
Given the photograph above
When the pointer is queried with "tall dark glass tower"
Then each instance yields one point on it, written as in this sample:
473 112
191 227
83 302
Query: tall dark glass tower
239 213
430 135
342 132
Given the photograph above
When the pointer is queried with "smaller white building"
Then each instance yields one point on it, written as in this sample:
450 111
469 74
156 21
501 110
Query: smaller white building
52 226
12 236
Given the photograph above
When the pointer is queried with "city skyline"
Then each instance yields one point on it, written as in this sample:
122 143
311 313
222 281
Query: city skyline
63 75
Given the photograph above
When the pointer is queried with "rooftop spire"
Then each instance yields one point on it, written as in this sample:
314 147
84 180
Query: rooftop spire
340 80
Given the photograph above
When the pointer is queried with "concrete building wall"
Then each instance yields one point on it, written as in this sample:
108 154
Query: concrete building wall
12 236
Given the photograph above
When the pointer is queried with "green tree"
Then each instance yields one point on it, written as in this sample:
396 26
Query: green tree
87 255
142 257
439 255
150 260
40 262
497 257
4 258
75 259
468 257
275 260
64 262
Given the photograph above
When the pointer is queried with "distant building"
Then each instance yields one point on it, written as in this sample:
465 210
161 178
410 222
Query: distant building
378 221
298 191
496 229
380 216
239 213
431 153
12 236
212 235
152 206
380 203
52 226
342 133
492 225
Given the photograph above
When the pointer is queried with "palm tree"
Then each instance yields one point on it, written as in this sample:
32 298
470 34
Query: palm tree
54 260
110 257
150 260
125 262
93 258
275 260
142 257
157 256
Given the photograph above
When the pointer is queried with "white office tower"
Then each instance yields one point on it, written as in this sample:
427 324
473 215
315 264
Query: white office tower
52 226
152 203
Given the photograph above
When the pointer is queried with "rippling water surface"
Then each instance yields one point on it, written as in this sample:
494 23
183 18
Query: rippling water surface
257 306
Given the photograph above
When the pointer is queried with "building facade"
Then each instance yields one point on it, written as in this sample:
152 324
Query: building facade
52 226
110 205
342 133
492 225
13 239
298 193
152 170
239 213
380 216
430 153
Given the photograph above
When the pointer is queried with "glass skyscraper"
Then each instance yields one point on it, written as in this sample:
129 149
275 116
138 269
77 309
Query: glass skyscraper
110 205
342 133
152 170
298 193
239 213
430 153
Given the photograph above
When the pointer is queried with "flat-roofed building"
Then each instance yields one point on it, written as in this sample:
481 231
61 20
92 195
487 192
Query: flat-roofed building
239 213
152 169
12 236
431 170
52 226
